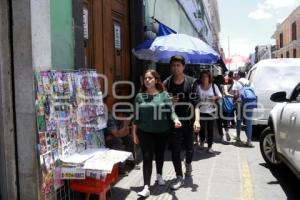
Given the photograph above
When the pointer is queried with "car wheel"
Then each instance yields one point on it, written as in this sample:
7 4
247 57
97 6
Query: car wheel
257 130
268 148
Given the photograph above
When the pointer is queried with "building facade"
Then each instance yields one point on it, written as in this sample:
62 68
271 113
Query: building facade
287 36
68 35
198 18
54 34
214 21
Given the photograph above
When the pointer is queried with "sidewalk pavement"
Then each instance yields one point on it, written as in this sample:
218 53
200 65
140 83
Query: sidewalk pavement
224 175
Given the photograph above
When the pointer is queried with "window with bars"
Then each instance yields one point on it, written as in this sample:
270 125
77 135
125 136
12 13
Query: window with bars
294 53
294 31
287 54
281 40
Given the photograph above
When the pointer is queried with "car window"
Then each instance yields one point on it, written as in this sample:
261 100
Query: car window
298 97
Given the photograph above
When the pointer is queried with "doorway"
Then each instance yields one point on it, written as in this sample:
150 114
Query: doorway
108 44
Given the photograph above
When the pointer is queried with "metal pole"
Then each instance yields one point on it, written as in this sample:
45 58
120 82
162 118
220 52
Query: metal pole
228 39
228 49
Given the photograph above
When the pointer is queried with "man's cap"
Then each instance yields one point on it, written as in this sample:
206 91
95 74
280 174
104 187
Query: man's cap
177 58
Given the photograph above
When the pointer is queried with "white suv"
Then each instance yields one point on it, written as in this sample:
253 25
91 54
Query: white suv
280 142
268 77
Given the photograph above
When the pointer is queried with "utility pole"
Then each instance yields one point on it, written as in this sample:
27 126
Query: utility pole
228 49
228 40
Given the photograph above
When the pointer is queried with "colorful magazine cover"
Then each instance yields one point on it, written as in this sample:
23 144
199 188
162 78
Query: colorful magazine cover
43 143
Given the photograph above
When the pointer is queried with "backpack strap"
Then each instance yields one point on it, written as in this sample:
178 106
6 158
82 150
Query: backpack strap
214 89
241 83
230 88
244 85
167 82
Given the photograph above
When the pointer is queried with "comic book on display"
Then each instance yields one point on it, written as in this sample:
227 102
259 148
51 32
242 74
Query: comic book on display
70 119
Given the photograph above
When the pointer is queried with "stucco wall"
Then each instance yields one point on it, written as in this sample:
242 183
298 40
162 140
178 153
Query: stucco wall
8 177
62 35
41 34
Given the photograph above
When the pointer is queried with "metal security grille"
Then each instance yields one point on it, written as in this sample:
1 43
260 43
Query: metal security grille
63 193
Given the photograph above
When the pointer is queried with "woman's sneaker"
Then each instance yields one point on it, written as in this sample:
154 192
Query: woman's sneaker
160 180
145 192
178 183
210 151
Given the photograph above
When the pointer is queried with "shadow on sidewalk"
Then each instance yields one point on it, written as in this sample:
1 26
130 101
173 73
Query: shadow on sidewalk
119 193
201 154
286 179
189 183
157 190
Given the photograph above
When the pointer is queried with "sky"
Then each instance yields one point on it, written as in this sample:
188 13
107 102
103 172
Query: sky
248 23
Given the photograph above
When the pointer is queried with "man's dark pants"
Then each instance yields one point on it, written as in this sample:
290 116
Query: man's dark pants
182 139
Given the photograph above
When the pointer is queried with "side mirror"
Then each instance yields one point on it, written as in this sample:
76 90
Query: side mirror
278 97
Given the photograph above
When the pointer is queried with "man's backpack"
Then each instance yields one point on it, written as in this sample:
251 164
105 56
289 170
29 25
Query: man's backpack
248 97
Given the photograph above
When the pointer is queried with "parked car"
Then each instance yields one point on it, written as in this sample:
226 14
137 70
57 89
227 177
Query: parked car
267 77
280 142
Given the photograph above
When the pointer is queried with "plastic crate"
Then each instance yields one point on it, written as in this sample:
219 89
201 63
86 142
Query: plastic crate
95 186
114 175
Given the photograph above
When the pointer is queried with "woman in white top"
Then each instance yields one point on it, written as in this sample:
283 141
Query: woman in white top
208 96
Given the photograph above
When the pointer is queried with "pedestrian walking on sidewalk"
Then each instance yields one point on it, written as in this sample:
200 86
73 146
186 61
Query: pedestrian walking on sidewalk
179 86
228 114
153 113
219 82
206 109
244 113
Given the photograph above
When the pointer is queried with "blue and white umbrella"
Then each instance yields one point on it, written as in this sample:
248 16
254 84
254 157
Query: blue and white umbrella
162 48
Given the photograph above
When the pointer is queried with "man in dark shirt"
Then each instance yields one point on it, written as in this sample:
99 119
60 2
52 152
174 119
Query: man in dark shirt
117 137
179 85
117 134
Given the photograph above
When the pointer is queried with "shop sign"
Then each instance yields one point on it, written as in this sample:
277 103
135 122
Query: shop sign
85 23
72 173
117 32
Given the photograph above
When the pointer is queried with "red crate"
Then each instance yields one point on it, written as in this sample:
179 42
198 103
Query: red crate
90 185
114 175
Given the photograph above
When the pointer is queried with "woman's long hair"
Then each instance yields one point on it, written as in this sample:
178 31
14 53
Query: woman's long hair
158 85
205 72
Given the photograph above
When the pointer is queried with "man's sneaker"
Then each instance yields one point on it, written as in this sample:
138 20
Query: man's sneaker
249 144
188 170
201 144
228 137
178 183
145 192
238 139
160 180
222 139
210 150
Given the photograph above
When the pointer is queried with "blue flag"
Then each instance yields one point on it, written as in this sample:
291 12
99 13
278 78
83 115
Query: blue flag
164 30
